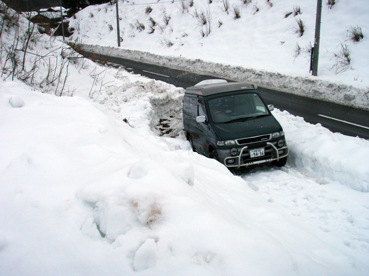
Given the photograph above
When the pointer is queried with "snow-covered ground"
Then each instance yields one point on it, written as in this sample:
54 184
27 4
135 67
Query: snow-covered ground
263 46
103 183
83 192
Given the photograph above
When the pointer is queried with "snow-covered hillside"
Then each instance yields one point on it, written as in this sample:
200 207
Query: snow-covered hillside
103 183
263 46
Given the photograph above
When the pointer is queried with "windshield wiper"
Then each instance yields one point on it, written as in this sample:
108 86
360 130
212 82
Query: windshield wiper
243 119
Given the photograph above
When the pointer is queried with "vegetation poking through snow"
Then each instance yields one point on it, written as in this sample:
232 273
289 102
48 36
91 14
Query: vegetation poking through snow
236 12
139 26
166 19
287 14
331 3
148 10
296 10
246 2
343 59
355 33
297 51
226 6
300 29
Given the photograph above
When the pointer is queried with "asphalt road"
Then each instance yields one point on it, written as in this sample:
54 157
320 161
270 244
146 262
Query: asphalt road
338 118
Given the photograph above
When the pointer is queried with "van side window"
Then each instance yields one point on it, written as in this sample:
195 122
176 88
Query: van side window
201 109
190 105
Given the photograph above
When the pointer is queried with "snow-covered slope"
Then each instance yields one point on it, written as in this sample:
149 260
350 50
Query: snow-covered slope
262 46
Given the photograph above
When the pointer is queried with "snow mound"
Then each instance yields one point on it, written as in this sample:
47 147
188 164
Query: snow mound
323 154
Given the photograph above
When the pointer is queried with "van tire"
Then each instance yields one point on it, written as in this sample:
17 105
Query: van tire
281 162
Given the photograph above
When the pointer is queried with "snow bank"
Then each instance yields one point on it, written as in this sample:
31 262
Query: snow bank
85 193
304 86
326 155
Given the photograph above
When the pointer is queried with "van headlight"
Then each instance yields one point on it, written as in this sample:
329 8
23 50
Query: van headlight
277 134
226 143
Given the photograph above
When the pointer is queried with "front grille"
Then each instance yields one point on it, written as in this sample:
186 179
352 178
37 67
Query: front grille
255 139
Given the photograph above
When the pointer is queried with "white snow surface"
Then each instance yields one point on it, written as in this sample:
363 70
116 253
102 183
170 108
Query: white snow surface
83 192
104 183
262 46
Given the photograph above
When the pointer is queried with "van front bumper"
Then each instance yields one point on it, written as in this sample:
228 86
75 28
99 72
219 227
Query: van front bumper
243 158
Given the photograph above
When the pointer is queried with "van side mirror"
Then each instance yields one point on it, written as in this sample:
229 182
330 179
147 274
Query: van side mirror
201 119
270 107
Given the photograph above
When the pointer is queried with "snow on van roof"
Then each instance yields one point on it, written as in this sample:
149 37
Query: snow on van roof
211 87
211 81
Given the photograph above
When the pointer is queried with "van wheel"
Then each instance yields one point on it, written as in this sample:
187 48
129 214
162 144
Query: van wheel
191 143
281 162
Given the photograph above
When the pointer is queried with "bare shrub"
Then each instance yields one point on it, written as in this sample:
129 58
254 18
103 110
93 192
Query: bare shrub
226 6
202 18
297 50
246 2
148 10
256 9
139 26
151 30
308 49
287 14
300 29
184 7
153 22
296 10
331 3
355 34
343 59
166 19
166 42
205 21
236 12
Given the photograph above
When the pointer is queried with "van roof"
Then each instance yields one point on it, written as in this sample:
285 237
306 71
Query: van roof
219 87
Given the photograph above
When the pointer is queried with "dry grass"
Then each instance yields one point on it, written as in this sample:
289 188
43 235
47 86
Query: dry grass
300 29
331 3
343 59
355 33
236 12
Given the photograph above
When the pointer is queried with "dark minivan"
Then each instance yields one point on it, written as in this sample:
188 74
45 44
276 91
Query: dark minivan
230 122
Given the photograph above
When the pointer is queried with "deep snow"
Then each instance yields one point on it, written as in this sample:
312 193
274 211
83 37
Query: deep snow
85 193
95 185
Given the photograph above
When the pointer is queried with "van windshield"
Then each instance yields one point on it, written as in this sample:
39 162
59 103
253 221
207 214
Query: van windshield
236 107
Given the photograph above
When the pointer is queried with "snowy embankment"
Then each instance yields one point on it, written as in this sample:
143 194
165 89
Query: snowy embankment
303 86
84 192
